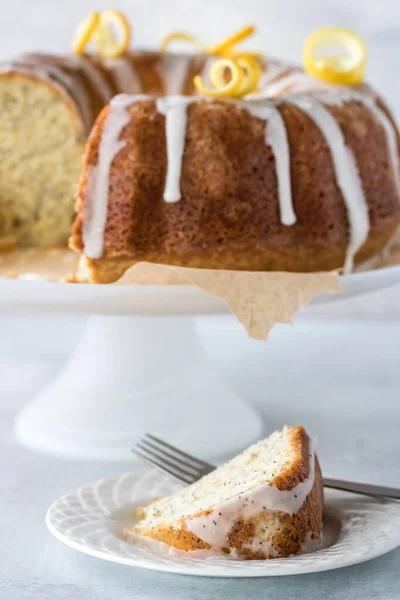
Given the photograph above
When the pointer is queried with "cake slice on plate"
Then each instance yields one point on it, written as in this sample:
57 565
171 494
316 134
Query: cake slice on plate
264 503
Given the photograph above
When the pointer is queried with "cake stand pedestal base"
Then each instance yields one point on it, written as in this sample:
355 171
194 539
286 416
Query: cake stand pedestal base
132 375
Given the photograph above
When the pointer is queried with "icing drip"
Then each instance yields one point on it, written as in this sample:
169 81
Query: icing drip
77 91
93 74
124 74
208 62
95 209
174 74
273 71
365 95
391 138
215 526
347 175
292 82
174 108
276 138
279 80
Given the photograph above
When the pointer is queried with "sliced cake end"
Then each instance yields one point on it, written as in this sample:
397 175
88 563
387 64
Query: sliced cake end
264 503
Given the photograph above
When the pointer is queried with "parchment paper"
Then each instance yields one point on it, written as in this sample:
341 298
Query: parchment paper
259 300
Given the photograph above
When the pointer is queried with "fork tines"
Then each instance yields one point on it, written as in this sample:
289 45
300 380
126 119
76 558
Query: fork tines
167 458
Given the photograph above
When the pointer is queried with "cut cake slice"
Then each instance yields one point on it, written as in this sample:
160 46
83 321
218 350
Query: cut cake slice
264 503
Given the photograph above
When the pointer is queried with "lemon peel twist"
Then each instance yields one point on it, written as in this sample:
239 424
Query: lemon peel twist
84 33
346 66
109 31
244 77
232 40
182 36
225 48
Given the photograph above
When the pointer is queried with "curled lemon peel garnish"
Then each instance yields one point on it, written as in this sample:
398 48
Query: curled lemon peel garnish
346 66
244 77
232 53
109 31
253 72
225 48
222 89
232 40
182 36
84 33
109 43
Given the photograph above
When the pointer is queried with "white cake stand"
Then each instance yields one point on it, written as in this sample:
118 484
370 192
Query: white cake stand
139 367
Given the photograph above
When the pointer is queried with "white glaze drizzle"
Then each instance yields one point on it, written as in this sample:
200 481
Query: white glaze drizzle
96 201
205 71
390 132
366 96
347 175
309 545
392 143
279 80
77 90
273 72
124 74
214 527
174 72
276 138
174 108
292 82
93 74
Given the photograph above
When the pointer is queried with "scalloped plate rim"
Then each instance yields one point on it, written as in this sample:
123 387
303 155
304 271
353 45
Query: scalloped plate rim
269 568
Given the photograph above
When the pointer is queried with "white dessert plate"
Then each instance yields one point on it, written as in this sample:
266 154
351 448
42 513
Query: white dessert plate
91 519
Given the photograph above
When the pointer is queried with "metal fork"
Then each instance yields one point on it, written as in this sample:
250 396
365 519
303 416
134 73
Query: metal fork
167 458
187 468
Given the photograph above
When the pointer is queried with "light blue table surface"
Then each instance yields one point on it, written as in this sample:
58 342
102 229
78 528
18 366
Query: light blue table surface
345 387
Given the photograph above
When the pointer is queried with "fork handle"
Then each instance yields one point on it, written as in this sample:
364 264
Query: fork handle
362 488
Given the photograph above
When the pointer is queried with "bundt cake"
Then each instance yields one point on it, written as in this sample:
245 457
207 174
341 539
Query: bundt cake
296 175
300 176
264 503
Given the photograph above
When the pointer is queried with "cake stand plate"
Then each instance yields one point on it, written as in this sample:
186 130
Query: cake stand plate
153 300
140 367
